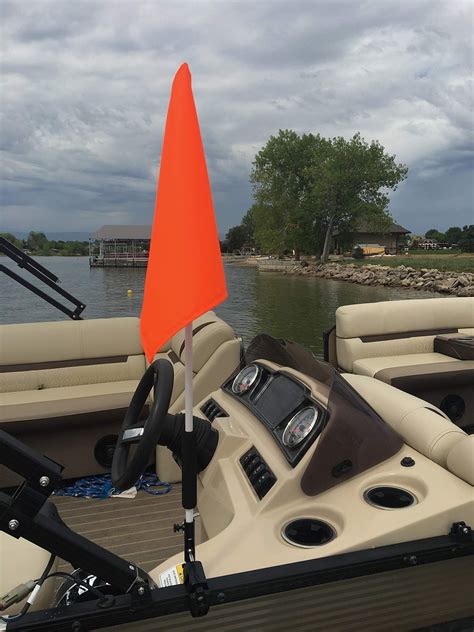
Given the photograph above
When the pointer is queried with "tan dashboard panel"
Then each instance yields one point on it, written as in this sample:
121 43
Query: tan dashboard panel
245 533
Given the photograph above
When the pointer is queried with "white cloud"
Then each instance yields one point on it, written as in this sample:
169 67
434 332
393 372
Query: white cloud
85 89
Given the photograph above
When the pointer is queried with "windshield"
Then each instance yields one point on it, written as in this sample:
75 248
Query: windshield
354 439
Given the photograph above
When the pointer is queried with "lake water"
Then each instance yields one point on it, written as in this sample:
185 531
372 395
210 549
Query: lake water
299 308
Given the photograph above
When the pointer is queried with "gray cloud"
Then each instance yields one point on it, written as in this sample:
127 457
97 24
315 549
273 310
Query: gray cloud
85 89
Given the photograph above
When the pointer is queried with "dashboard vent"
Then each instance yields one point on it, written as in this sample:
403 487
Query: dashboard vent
213 410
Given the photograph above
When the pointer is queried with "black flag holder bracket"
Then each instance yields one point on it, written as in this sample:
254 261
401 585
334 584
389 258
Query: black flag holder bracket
195 580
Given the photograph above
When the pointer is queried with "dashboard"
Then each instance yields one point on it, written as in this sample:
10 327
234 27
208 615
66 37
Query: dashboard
283 405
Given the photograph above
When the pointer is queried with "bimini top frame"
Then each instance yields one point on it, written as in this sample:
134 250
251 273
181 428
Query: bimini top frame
43 274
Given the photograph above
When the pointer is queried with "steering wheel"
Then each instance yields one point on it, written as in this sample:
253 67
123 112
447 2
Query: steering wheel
126 471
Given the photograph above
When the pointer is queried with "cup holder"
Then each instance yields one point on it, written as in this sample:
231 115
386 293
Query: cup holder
308 532
389 497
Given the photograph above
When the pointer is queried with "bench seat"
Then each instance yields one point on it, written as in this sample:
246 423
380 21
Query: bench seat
44 404
65 386
394 341
372 367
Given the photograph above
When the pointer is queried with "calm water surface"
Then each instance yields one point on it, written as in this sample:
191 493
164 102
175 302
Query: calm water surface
298 308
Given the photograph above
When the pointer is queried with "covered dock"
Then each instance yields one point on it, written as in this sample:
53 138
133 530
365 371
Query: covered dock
120 245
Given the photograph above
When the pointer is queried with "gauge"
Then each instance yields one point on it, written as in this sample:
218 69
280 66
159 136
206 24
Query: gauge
299 426
245 379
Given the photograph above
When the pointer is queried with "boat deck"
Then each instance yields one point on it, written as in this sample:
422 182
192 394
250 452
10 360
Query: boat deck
138 529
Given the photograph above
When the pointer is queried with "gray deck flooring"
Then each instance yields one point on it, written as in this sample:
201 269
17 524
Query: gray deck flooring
139 529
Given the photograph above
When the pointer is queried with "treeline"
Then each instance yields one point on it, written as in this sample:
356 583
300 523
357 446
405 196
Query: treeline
305 187
38 244
460 238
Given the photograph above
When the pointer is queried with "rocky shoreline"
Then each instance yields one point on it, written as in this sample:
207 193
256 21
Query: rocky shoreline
457 284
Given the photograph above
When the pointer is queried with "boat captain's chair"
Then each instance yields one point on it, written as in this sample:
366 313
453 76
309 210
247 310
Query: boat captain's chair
394 341
216 354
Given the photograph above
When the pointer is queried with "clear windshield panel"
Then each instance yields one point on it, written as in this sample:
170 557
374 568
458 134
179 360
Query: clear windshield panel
355 437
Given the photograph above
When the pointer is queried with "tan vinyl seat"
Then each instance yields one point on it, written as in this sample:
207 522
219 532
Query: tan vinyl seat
216 354
421 425
65 385
21 561
394 341
398 331
461 460
373 366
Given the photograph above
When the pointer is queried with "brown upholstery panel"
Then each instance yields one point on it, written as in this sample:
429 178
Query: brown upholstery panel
422 376
69 440
376 365
459 346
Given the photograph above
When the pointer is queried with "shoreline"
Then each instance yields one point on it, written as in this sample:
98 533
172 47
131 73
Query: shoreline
423 279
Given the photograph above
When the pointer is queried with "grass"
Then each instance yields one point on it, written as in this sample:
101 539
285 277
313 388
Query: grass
463 262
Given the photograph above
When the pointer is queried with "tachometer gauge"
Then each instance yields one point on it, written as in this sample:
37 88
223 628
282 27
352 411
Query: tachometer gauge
245 379
299 426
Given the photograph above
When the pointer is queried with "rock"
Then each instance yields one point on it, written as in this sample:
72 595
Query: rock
466 291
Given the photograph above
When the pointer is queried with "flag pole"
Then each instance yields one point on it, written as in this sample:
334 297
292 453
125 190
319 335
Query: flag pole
189 490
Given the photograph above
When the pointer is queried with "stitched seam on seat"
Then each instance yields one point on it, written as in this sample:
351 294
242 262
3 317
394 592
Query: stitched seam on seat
438 438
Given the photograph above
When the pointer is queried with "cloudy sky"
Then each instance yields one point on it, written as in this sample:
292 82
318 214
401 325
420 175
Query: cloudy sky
85 88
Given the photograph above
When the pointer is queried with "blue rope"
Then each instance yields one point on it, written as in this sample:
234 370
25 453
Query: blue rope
101 486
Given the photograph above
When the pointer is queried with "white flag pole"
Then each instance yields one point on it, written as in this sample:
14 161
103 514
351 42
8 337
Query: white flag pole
188 394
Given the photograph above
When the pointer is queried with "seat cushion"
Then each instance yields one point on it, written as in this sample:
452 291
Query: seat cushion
67 400
373 366
421 425
461 459
21 561
391 328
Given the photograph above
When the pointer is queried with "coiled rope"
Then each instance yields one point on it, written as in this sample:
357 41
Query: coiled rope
101 487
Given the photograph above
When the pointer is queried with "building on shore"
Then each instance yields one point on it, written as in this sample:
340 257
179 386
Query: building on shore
119 246
363 235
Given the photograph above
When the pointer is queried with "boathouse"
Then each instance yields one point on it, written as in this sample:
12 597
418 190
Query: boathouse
120 245
363 234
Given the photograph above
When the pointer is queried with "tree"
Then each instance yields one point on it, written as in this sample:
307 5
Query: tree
435 235
36 241
281 185
350 185
453 235
236 238
12 239
466 243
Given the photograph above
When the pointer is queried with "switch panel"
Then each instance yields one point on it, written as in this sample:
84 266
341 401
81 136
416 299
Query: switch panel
259 474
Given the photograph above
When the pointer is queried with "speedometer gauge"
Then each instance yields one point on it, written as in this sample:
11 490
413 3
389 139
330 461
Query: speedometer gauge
299 426
245 379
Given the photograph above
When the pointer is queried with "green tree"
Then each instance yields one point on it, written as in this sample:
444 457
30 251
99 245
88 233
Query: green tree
236 238
351 185
453 235
466 243
12 239
281 185
435 235
36 241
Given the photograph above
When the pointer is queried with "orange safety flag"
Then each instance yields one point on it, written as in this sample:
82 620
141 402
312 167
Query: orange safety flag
185 275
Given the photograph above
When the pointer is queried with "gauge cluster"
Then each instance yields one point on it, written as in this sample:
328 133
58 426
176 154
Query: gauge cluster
283 405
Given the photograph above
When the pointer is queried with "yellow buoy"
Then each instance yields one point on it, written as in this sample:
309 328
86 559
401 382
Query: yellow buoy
129 292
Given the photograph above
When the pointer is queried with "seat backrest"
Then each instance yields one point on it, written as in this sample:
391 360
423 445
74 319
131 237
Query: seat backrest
398 327
210 334
421 425
34 356
461 459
